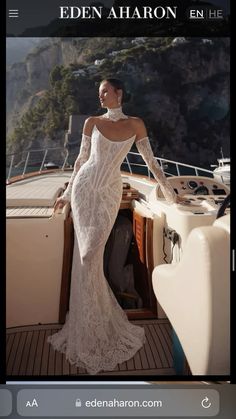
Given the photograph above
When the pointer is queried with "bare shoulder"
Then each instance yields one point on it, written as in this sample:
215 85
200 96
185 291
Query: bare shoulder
138 127
90 121
89 124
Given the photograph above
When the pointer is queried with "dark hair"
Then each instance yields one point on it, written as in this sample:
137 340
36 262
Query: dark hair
118 85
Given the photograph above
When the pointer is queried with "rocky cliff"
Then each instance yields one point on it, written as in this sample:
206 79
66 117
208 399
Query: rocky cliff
180 87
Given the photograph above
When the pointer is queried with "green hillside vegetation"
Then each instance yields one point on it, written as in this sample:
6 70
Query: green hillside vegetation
182 93
52 111
67 93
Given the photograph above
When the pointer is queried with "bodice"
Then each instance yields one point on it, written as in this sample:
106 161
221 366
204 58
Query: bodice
109 152
100 158
106 157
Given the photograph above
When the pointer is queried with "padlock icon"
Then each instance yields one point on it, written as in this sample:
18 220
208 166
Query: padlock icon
78 403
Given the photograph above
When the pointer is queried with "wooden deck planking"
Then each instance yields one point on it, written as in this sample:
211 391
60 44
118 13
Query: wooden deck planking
123 366
51 357
148 350
73 370
155 372
166 343
28 353
33 350
130 364
58 363
143 358
18 358
165 333
158 344
9 346
137 361
45 354
168 330
154 348
13 353
65 366
39 352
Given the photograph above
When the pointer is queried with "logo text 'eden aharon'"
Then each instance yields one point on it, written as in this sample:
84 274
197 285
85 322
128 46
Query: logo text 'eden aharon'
122 12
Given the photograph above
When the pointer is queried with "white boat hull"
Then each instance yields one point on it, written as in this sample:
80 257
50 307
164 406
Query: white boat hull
36 247
223 177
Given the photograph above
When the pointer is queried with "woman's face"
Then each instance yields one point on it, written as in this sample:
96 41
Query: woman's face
108 95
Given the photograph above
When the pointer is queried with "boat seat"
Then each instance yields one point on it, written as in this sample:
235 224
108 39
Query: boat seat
195 295
33 192
223 222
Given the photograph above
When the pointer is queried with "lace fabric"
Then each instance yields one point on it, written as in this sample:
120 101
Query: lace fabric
144 147
97 334
115 114
83 156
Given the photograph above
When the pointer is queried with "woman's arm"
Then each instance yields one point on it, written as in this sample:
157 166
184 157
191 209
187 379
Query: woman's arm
144 147
83 156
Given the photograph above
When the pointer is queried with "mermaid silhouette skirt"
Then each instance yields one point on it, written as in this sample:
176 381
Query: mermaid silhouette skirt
97 334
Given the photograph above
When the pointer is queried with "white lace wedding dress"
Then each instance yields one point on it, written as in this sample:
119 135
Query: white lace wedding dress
97 334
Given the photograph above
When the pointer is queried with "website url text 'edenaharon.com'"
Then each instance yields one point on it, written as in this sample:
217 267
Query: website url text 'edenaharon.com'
123 403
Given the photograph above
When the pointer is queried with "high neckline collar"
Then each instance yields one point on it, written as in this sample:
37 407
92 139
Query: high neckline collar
114 114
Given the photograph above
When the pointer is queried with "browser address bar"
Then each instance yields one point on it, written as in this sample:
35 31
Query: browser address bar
118 403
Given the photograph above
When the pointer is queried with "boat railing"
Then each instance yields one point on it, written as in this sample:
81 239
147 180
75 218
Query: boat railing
34 160
31 162
169 167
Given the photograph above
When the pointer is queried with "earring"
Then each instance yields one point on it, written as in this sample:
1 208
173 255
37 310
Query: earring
119 100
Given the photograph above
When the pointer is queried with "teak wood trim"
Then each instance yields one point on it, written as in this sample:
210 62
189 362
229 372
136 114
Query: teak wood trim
17 178
137 314
139 227
143 232
150 263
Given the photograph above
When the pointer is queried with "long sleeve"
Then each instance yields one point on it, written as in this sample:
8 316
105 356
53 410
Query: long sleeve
144 148
83 156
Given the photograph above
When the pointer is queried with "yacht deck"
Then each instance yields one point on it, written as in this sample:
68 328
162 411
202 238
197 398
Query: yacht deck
29 354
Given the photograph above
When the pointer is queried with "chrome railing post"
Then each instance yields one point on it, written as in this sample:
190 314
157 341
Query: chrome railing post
10 168
65 160
177 168
26 162
44 158
128 163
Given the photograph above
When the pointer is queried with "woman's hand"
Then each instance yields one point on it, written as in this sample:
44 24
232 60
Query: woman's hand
60 203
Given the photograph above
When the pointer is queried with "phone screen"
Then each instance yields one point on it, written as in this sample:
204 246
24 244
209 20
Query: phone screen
118 302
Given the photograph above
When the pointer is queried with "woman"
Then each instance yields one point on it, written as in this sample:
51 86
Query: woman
97 334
